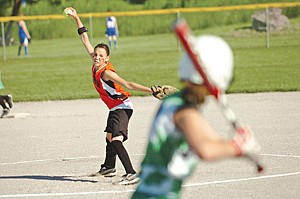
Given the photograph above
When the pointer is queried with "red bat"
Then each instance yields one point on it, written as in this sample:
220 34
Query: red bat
186 37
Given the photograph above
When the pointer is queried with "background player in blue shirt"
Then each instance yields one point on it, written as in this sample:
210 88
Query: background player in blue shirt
24 36
112 30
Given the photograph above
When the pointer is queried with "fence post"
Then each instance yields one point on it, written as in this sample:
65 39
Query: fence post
91 29
178 43
3 41
268 27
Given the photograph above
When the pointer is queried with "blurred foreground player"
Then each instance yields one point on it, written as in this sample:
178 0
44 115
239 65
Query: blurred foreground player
180 134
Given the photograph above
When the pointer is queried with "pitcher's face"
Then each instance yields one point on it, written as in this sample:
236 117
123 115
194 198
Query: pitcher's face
100 57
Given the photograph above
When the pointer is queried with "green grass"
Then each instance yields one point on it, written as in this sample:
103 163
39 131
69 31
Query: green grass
60 69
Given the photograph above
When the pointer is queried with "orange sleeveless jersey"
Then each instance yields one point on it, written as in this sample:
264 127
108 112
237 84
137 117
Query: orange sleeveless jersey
112 94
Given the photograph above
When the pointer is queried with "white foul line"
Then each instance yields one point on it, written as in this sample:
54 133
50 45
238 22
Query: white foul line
62 194
278 155
49 160
131 190
242 179
92 157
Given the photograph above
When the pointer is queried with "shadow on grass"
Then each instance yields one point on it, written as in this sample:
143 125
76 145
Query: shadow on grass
244 28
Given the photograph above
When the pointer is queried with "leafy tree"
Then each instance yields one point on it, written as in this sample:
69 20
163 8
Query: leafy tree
4 5
15 6
137 1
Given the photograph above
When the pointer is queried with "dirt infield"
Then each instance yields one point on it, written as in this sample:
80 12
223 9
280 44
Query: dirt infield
48 149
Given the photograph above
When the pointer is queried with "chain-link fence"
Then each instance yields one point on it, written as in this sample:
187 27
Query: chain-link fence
270 23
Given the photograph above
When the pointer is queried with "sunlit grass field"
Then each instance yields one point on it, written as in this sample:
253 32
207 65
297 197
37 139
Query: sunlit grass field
60 69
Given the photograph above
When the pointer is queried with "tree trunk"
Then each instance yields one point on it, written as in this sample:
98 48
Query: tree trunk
15 12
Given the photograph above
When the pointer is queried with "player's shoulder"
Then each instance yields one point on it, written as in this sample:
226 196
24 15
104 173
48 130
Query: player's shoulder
21 22
109 66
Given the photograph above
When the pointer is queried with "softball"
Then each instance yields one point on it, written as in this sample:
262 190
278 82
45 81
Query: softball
67 11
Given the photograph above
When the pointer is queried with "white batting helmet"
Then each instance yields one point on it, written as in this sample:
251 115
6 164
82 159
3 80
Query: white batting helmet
217 62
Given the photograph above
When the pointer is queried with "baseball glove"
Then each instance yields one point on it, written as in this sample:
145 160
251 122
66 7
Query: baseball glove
163 91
